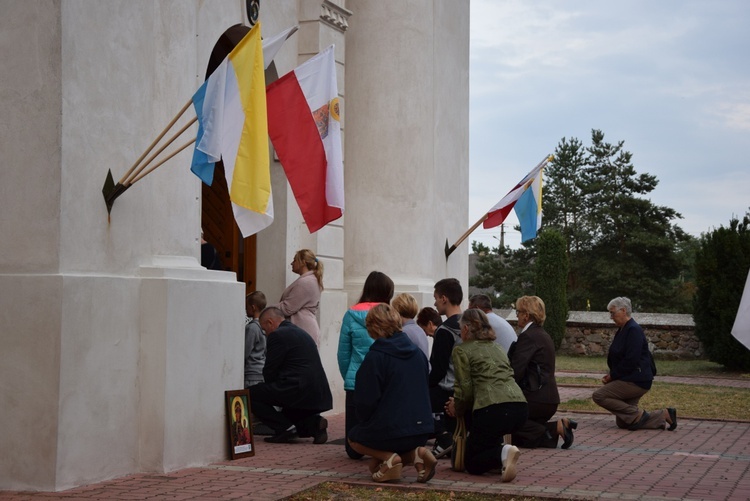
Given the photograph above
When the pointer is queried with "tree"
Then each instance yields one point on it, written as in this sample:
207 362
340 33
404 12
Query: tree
721 266
551 276
508 271
618 242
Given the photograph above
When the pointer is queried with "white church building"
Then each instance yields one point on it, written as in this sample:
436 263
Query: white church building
117 346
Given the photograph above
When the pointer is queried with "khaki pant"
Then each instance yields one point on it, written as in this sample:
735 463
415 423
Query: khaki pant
621 399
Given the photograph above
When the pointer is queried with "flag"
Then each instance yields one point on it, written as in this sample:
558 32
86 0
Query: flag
526 197
741 327
201 166
272 45
232 126
529 208
303 123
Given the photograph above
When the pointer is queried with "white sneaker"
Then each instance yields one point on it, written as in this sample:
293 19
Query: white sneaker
509 464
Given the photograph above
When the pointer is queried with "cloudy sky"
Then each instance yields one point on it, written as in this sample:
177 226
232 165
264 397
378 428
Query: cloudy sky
669 78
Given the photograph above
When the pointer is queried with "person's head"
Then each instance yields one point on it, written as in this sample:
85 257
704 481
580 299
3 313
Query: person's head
382 321
270 319
481 301
448 295
429 320
530 309
378 288
305 260
475 326
620 310
254 303
405 305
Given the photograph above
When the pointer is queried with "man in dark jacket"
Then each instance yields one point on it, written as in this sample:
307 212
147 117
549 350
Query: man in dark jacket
294 380
630 375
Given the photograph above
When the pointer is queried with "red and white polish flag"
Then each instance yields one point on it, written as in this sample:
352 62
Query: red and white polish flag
304 127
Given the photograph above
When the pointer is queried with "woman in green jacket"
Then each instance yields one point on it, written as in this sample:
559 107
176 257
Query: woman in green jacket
485 388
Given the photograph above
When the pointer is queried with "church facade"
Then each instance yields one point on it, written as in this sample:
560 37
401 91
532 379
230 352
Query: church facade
117 345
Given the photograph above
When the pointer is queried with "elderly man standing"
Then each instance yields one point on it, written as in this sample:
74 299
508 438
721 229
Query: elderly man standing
294 381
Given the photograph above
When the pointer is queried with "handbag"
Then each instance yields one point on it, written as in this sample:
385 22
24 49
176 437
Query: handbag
459 445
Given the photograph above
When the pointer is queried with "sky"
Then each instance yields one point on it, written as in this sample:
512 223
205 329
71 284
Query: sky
669 78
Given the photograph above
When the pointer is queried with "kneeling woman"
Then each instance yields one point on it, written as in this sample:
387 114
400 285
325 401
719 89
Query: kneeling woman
392 402
485 388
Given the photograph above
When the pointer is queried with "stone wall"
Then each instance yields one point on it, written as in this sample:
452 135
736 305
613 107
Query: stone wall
670 336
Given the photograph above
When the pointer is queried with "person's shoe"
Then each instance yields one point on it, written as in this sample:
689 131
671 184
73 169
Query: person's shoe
568 426
392 471
285 437
321 436
509 465
672 417
443 445
428 462
638 423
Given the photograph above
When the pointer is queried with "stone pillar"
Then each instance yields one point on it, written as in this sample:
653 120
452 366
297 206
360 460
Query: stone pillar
407 147
117 345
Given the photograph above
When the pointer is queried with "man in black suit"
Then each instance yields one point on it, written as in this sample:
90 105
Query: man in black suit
294 380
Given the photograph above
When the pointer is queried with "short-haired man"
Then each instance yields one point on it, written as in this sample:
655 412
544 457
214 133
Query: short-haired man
294 380
448 296
504 333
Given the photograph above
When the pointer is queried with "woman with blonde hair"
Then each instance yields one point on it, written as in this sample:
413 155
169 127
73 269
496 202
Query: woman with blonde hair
299 302
486 393
392 402
406 306
533 359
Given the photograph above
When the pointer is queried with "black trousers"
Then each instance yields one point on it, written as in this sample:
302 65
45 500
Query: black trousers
443 422
485 441
263 403
350 420
538 431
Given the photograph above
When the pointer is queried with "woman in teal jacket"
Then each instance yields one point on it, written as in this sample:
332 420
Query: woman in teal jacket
354 342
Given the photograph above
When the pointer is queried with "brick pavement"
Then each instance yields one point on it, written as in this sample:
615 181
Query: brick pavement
700 460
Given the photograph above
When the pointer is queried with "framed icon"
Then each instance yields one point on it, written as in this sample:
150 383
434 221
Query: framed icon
240 428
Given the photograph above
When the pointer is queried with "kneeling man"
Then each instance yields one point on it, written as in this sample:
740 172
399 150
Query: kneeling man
294 380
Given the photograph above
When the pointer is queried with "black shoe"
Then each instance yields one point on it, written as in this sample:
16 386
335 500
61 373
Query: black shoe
568 433
321 436
285 437
637 424
672 417
443 445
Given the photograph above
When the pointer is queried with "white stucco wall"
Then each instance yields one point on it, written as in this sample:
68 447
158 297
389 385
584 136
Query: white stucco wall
117 345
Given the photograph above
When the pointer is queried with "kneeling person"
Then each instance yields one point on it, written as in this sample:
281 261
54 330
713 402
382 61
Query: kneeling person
294 380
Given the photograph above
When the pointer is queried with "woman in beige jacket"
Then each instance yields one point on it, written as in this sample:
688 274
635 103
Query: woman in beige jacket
299 302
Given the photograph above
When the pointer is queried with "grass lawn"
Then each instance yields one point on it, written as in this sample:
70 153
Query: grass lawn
664 367
346 492
690 401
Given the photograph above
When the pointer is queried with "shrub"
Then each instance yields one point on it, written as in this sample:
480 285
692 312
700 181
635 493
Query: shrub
551 277
721 268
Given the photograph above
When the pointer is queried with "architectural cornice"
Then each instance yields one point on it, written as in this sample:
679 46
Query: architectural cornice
334 16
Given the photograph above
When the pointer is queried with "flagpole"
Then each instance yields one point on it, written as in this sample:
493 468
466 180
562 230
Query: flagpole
449 250
136 176
144 174
163 133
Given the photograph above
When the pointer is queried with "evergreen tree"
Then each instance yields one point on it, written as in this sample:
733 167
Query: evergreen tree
721 267
618 242
508 271
551 275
